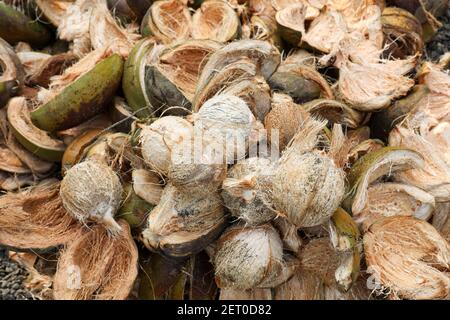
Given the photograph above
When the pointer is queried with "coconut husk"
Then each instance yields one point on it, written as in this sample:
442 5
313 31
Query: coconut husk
252 294
36 219
408 257
96 266
441 219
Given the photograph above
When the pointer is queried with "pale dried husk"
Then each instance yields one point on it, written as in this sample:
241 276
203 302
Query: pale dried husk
184 223
283 121
32 60
171 79
168 21
215 20
433 144
97 266
54 10
303 179
408 257
248 258
35 218
91 191
146 185
160 138
395 199
245 191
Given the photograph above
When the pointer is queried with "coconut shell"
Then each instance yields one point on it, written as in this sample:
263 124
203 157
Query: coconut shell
408 257
184 223
35 140
16 26
96 266
35 219
83 99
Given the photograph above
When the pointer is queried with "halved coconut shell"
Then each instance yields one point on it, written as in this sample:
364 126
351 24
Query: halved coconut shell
83 98
215 20
171 80
168 21
96 266
36 141
35 219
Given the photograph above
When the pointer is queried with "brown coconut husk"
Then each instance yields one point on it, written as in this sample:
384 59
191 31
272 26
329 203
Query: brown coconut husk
303 285
36 219
408 257
97 266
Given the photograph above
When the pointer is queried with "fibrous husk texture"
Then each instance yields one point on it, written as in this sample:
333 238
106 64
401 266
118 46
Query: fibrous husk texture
408 258
35 218
97 266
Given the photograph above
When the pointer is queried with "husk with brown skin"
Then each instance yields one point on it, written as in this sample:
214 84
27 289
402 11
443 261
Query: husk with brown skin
430 139
35 218
248 258
171 80
303 177
285 117
408 257
402 33
184 222
395 199
215 20
168 21
96 266
55 65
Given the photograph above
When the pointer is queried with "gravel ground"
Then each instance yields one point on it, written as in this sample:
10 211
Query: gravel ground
441 41
11 278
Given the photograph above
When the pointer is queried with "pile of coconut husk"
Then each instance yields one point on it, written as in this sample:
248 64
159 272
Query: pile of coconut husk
260 149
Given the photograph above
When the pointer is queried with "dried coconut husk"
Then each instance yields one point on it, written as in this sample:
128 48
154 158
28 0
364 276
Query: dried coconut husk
304 177
303 285
358 291
171 80
184 223
168 21
245 191
336 112
215 20
54 65
251 294
54 10
292 241
91 191
248 258
408 257
100 123
262 54
96 266
159 139
31 60
373 166
35 218
395 199
146 185
12 72
344 233
431 140
402 33
373 86
13 182
283 121
441 220
264 28
298 78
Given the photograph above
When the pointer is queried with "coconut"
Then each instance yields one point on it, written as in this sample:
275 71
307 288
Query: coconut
160 138
245 191
375 165
184 223
91 190
283 121
11 72
215 20
171 79
303 285
432 143
402 33
35 219
248 258
168 21
395 199
408 257
302 180
228 120
97 266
